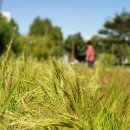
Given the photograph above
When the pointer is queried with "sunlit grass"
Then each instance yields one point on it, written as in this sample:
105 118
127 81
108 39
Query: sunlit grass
52 95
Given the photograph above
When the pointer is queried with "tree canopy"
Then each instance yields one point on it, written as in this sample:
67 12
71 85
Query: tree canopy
51 38
7 29
116 33
117 29
75 41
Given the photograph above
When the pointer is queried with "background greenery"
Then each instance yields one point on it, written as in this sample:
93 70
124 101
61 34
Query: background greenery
45 40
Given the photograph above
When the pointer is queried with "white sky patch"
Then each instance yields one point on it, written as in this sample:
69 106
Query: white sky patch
7 15
87 38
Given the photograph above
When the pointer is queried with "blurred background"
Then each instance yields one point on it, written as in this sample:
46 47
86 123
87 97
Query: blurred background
61 29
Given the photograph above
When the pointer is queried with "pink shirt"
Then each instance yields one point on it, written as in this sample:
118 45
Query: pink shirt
90 54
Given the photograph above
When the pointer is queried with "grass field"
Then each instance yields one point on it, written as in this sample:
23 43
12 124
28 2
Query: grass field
53 95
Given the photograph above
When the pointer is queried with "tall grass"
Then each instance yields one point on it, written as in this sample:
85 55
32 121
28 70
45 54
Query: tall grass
53 95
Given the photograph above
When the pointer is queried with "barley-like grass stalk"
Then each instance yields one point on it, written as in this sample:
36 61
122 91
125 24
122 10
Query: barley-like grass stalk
53 95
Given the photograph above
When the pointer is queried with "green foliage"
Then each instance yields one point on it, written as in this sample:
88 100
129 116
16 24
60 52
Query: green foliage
15 26
45 39
118 26
107 59
128 53
43 42
116 33
117 29
43 47
98 43
75 41
20 45
7 31
40 27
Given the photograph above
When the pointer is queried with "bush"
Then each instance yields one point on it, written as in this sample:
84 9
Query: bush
106 58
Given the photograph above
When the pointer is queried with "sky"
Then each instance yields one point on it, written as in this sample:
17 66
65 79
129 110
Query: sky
73 16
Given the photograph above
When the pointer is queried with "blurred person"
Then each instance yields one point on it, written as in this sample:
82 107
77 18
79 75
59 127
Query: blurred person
90 54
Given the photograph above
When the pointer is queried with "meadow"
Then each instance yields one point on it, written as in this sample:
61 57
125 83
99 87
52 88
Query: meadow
53 95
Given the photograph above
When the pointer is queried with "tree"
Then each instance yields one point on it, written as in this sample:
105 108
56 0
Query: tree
8 30
117 33
15 27
5 33
51 38
98 43
40 27
56 37
74 45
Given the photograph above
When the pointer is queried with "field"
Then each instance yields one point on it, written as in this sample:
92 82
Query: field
53 95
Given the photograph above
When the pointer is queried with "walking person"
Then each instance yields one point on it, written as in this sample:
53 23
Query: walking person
90 54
